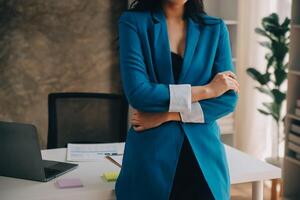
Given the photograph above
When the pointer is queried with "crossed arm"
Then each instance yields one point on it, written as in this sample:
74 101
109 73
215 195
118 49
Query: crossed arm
222 83
156 103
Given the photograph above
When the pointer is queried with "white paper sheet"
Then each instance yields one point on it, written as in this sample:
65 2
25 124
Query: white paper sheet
91 152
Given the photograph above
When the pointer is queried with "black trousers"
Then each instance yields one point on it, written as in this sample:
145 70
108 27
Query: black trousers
189 182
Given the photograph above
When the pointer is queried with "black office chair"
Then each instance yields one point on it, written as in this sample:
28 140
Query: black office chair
86 118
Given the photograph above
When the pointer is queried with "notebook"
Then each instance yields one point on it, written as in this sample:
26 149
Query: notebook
68 183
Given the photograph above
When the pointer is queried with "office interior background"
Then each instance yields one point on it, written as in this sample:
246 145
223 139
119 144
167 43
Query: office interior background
72 46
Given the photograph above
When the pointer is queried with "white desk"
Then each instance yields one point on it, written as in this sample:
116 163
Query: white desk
243 168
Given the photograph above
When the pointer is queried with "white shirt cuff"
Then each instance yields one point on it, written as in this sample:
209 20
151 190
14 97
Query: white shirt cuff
180 98
194 116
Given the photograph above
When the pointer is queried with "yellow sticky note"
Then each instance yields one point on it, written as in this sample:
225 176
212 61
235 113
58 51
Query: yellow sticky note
111 176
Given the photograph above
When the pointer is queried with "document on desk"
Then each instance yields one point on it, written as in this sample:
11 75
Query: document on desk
91 152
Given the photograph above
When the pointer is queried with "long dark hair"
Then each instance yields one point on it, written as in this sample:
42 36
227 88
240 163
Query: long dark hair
193 8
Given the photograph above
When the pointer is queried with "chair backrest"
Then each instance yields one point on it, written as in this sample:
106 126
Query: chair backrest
86 118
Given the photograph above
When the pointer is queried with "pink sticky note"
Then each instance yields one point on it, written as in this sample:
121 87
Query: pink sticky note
69 183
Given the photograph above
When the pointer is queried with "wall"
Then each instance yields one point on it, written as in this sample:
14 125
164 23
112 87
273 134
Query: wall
55 46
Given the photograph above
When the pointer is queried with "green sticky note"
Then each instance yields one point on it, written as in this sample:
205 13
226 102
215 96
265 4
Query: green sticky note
110 176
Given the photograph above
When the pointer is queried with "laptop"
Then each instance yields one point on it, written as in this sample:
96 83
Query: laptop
20 155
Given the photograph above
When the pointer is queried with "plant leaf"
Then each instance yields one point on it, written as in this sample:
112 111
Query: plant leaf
263 111
279 96
266 44
270 62
279 50
280 76
274 109
256 75
271 19
286 23
271 25
262 32
265 90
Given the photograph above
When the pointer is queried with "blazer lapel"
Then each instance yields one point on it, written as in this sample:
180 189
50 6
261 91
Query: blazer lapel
192 37
161 48
162 51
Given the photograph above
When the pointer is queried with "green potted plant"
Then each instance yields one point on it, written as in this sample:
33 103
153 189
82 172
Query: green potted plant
271 79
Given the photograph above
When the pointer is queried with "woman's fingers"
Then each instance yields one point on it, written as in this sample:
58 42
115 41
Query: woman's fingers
135 115
135 122
234 80
135 118
230 73
224 81
234 85
134 112
138 128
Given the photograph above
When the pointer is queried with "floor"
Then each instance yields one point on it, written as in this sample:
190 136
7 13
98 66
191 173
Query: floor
244 192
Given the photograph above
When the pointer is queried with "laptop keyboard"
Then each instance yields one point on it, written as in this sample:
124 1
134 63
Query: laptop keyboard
53 168
50 172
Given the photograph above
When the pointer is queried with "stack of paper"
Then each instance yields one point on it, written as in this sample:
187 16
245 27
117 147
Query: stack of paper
91 152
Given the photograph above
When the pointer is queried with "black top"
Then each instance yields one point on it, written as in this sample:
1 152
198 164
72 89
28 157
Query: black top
189 181
176 65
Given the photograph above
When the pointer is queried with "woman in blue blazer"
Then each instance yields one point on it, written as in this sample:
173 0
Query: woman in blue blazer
177 74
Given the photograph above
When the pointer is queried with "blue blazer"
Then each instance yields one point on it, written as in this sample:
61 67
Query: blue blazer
150 156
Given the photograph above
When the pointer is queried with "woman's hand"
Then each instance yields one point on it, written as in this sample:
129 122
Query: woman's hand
145 120
221 83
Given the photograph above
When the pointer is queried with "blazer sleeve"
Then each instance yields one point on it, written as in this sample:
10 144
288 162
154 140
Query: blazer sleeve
141 93
212 109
